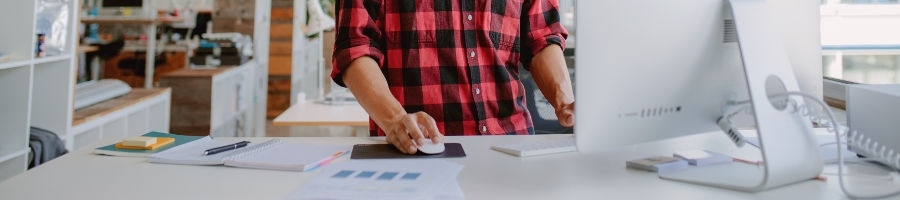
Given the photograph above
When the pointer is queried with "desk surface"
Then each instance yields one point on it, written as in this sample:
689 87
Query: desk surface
487 174
315 114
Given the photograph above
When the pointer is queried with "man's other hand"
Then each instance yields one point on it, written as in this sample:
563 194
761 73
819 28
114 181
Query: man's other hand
566 114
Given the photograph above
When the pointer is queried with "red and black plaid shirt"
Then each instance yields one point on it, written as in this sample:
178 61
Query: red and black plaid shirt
456 60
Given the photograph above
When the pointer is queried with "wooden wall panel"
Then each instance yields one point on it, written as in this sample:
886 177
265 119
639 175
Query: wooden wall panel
280 45
281 31
282 13
279 95
280 48
280 65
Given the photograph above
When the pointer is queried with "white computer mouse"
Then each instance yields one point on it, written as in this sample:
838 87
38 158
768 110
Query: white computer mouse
431 148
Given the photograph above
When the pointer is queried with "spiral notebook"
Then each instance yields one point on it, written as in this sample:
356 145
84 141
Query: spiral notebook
273 154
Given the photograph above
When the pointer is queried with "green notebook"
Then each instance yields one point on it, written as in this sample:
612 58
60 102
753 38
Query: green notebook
113 151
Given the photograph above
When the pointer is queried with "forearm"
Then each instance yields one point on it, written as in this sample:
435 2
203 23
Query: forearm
548 67
365 80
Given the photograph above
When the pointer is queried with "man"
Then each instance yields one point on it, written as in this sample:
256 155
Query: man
422 69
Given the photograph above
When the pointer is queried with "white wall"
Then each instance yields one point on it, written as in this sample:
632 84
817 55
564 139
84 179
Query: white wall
847 24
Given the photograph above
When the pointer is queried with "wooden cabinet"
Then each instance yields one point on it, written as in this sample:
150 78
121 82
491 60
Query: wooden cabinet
211 101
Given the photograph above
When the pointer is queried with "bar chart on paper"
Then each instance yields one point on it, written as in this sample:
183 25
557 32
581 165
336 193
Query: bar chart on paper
379 179
383 176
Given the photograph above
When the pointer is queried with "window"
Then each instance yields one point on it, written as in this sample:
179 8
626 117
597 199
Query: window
861 40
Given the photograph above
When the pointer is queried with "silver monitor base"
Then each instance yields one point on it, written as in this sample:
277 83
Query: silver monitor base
734 176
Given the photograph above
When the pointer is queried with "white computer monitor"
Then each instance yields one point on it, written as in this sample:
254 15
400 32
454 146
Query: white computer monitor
123 8
658 69
121 3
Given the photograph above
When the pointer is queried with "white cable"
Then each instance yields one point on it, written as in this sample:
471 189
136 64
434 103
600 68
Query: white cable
886 177
839 131
866 161
837 136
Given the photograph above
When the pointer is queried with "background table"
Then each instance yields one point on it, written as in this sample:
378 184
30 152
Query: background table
309 113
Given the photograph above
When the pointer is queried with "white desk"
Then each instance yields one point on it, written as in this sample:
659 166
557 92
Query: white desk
487 174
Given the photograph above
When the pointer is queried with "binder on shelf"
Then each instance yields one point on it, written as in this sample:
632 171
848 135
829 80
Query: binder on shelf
177 140
272 154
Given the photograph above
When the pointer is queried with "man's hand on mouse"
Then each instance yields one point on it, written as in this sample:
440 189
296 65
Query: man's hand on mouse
403 130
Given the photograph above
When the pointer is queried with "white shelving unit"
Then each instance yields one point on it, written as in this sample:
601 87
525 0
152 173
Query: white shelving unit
261 57
135 113
308 63
33 91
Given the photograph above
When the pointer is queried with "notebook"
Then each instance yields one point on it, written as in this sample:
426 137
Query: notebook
111 149
272 154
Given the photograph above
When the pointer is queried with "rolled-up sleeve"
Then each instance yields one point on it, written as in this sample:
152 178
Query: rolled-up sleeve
541 27
356 35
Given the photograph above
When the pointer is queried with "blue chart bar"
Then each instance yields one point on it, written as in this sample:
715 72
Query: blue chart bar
343 174
366 174
410 176
387 176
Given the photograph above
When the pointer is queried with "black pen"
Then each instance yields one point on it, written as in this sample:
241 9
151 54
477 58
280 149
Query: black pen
225 148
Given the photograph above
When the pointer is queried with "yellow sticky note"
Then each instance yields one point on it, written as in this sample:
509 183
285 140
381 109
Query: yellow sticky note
160 141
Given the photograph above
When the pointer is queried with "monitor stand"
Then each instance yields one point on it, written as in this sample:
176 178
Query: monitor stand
789 150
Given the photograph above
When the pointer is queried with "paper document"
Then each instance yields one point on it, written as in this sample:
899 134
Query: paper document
384 179
272 154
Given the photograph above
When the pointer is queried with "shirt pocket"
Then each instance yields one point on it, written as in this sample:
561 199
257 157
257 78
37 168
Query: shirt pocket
410 29
505 23
505 28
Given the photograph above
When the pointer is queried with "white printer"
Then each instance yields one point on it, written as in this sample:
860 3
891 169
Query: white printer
873 112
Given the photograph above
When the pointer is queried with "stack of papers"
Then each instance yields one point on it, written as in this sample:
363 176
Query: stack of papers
658 164
273 154
703 157
384 179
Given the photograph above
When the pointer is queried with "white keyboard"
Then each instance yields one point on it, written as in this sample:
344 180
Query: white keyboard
536 148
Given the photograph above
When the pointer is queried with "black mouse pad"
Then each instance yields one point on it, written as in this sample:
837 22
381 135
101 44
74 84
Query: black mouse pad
376 151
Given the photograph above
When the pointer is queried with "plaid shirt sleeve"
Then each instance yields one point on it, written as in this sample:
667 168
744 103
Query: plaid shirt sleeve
357 34
541 28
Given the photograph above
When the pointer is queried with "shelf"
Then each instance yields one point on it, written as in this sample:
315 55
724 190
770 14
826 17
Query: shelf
13 63
101 109
36 91
130 19
49 59
117 19
14 155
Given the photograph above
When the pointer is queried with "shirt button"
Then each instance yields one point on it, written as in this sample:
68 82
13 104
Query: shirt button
470 17
483 128
472 54
477 91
